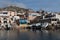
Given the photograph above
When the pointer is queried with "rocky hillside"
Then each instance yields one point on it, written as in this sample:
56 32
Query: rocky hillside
14 8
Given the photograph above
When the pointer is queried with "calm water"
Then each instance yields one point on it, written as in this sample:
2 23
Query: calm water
29 35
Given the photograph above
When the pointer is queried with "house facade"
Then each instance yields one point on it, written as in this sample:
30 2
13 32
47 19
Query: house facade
6 18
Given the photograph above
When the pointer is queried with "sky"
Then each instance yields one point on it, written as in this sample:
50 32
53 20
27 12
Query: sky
47 5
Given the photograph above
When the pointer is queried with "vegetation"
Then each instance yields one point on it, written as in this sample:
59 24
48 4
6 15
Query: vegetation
14 8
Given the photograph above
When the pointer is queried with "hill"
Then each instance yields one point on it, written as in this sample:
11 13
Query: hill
14 8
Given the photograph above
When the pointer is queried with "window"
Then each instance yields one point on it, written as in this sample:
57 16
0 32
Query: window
5 21
11 18
54 19
5 13
0 21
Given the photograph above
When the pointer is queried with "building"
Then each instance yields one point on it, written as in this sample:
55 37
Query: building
32 16
6 18
58 16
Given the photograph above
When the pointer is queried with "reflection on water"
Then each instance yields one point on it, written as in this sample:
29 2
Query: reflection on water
29 35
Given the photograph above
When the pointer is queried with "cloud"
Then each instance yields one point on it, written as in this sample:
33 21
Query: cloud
4 3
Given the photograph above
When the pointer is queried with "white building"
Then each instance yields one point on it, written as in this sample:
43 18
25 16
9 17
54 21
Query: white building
58 16
5 18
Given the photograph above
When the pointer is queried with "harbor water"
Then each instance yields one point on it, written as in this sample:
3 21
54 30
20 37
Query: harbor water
29 35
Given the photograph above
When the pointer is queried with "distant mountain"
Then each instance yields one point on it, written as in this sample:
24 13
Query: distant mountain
14 8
